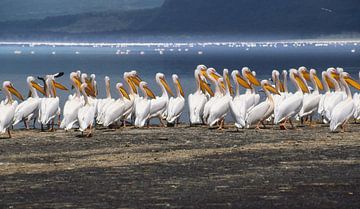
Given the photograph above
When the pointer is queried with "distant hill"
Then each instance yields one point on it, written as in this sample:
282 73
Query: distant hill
305 18
39 9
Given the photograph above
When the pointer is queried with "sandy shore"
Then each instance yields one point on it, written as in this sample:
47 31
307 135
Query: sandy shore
182 167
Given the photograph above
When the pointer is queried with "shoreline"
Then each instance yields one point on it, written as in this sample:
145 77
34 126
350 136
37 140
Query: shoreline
182 167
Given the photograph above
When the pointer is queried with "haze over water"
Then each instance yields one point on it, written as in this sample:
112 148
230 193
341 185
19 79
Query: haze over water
20 61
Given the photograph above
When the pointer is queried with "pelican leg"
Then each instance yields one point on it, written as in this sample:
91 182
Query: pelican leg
148 123
258 126
262 122
221 125
292 125
26 124
124 123
9 133
34 123
161 121
59 120
90 132
283 125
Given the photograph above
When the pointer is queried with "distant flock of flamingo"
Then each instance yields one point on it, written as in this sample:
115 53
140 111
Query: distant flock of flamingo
213 99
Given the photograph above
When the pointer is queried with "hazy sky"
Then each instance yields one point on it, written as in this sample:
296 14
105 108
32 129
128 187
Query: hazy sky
34 9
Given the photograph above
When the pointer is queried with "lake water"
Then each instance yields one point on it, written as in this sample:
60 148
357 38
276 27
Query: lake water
20 60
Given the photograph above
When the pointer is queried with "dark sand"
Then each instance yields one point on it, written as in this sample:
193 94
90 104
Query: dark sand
182 167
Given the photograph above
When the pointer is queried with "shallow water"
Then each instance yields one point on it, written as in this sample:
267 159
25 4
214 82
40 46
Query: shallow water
19 61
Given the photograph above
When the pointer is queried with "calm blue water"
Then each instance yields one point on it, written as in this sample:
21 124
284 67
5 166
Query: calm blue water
19 61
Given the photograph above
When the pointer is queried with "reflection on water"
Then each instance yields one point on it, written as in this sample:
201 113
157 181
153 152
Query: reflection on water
21 60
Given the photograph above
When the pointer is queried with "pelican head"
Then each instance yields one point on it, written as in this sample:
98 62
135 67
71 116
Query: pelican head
316 79
31 81
160 78
9 87
247 73
176 81
120 87
146 90
212 74
294 74
268 87
304 73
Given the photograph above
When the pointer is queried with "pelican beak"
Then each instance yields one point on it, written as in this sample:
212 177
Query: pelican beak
271 89
180 88
77 82
136 79
205 87
204 73
301 83
124 93
38 87
60 86
149 92
242 82
222 84
335 74
15 92
328 81
229 84
90 92
318 82
352 82
282 88
252 78
132 85
166 85
215 75
306 75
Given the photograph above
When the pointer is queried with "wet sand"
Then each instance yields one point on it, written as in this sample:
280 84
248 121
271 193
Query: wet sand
183 167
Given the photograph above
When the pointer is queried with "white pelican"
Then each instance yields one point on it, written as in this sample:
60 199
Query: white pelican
237 102
29 108
327 85
311 101
213 76
292 104
198 99
263 110
142 105
103 104
335 98
176 104
132 80
344 110
7 107
115 112
160 103
73 104
221 106
86 112
49 107
250 97
356 98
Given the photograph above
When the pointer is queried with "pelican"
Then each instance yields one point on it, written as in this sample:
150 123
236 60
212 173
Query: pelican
221 106
344 110
73 104
198 99
327 85
8 107
292 104
103 104
312 100
263 110
236 102
29 108
159 104
116 110
213 76
357 104
250 97
132 80
143 104
86 112
176 104
49 107
335 98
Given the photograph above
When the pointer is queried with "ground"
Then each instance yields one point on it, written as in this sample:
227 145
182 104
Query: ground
182 167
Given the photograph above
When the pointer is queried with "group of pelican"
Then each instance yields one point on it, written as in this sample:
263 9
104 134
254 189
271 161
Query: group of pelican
214 98
336 106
